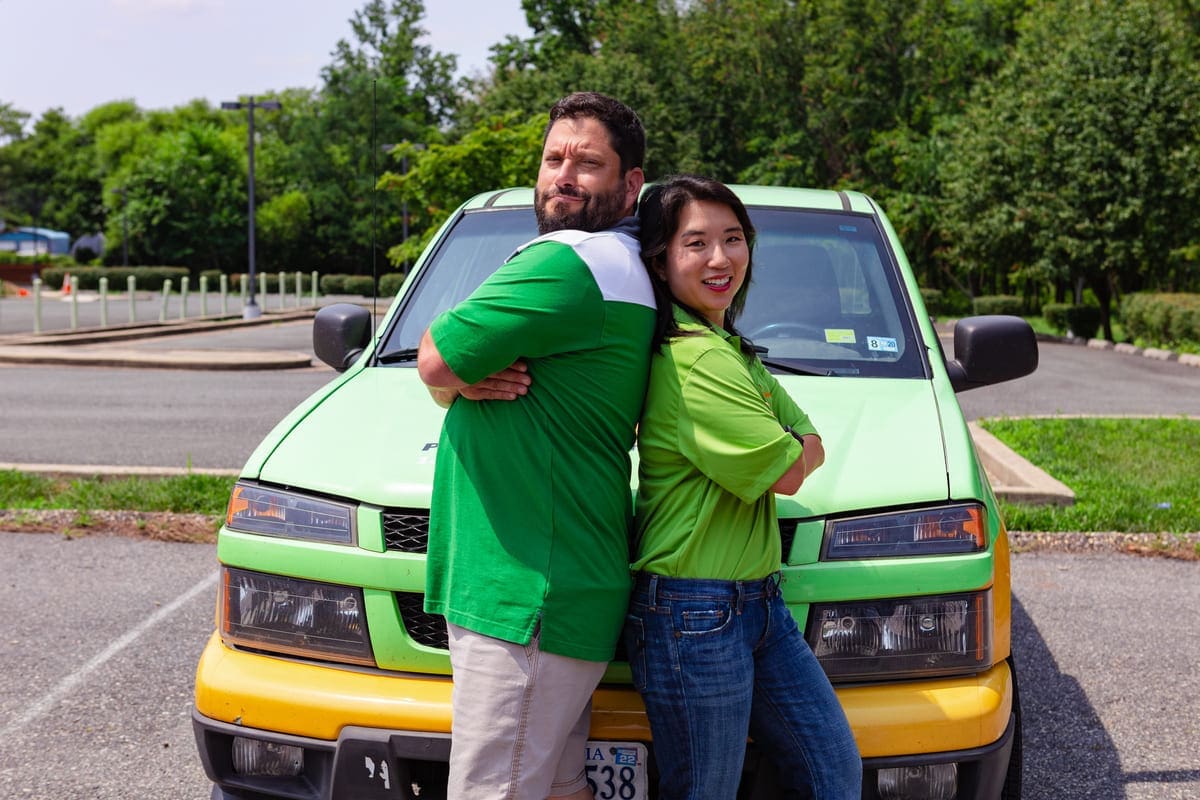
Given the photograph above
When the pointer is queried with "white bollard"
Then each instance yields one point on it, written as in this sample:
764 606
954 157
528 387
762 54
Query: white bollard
282 287
74 302
299 288
204 295
131 289
183 296
104 302
224 294
37 305
315 281
166 293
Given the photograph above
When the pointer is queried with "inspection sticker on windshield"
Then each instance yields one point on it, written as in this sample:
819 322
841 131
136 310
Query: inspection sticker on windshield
884 344
840 335
617 770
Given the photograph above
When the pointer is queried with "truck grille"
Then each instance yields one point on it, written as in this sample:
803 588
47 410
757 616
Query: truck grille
430 629
406 530
423 628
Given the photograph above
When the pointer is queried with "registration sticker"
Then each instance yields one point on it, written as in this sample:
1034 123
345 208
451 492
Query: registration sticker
617 770
840 335
884 344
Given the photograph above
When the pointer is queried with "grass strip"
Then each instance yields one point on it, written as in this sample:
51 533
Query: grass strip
180 494
1134 475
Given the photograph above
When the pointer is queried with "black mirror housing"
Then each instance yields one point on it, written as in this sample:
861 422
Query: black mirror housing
340 334
991 349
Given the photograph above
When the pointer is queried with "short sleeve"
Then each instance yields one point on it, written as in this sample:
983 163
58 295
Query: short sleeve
782 405
542 302
727 429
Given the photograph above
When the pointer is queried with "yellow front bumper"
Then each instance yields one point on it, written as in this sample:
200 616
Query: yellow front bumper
305 699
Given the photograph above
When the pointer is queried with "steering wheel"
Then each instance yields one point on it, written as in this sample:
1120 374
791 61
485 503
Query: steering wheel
790 329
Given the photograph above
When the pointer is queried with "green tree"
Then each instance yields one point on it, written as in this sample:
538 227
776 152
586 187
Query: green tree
502 152
1080 164
187 200
382 87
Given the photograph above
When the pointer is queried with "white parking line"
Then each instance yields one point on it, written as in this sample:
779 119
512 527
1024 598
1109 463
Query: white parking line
77 677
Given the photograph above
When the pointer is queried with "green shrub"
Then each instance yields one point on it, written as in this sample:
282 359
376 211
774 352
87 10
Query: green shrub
1056 315
333 284
360 284
1162 319
999 304
1083 321
390 283
148 278
1079 320
934 301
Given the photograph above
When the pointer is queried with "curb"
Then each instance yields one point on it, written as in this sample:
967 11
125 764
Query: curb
227 360
109 470
90 346
1014 478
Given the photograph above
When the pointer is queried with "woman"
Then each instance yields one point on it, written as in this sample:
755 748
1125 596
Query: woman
714 651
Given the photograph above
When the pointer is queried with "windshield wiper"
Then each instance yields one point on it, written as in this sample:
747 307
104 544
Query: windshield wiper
398 356
793 370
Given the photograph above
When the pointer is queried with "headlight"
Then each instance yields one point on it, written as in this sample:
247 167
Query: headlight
903 637
926 531
288 615
275 512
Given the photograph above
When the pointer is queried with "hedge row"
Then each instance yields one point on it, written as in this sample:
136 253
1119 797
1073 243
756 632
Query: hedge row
1162 318
153 278
364 285
148 278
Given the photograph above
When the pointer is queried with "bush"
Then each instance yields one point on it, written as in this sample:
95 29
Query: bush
360 284
333 284
1078 320
999 304
1162 318
934 301
390 283
148 278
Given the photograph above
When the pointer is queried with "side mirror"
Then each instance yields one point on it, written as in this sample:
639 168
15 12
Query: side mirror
991 349
340 334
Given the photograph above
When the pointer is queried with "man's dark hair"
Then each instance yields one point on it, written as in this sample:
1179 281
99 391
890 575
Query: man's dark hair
659 214
625 131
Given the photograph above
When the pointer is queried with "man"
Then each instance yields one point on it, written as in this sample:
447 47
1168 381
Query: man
528 541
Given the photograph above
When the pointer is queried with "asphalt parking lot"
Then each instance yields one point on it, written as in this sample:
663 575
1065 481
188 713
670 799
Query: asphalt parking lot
102 636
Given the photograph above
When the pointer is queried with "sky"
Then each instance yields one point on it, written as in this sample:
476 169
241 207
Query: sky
78 54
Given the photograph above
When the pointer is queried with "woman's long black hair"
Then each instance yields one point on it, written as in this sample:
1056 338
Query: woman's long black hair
659 213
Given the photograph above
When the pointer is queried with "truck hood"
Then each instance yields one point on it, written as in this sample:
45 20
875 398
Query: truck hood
885 445
373 438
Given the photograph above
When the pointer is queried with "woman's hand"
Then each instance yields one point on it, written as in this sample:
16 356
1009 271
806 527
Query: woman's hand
812 457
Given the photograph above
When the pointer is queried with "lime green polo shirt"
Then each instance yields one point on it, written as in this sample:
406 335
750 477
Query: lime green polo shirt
530 516
711 444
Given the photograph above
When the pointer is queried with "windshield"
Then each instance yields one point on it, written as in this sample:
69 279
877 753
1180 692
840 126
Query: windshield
825 297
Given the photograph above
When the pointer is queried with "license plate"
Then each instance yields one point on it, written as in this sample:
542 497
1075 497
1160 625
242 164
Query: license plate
617 770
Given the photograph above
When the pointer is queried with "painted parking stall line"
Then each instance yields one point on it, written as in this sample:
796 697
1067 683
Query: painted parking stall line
70 682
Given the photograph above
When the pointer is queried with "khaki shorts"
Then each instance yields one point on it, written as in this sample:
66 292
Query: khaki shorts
521 719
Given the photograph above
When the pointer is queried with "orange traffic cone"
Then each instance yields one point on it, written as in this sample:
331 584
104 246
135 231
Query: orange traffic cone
66 286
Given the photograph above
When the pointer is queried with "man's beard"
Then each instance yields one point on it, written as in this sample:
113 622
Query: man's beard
598 211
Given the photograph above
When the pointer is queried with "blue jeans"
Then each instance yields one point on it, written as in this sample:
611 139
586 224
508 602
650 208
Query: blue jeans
716 661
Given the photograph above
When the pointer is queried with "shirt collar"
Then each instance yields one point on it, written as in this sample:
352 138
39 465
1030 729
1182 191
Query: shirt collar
687 320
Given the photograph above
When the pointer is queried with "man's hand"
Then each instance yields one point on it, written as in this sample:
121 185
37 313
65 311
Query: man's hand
507 384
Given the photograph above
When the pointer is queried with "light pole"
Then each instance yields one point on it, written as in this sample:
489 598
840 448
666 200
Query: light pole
121 190
251 310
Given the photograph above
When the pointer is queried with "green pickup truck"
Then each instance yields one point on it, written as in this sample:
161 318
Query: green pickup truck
324 677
